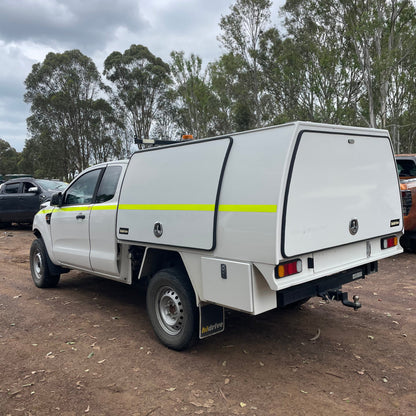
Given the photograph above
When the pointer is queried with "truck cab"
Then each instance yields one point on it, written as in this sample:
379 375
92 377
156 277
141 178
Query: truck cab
81 226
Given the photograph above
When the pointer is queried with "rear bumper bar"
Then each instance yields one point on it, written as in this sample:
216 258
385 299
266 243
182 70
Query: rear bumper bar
321 286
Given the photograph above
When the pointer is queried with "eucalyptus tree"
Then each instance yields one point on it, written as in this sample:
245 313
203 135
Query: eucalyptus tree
106 140
166 125
9 158
140 79
196 105
242 30
65 93
382 33
234 103
375 40
284 73
324 64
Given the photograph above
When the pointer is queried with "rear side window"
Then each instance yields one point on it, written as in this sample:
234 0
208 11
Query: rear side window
108 185
12 188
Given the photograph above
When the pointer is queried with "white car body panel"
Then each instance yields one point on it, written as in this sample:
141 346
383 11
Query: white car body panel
247 202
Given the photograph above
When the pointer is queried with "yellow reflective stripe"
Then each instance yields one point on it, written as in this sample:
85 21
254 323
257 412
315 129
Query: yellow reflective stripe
104 207
45 211
247 208
75 208
199 207
168 207
88 208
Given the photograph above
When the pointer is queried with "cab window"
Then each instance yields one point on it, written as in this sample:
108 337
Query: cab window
82 190
12 188
27 186
108 185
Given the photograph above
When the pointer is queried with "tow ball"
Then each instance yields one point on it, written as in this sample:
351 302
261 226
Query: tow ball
338 295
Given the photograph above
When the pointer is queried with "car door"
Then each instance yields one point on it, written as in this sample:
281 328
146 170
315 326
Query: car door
103 244
28 201
70 222
9 199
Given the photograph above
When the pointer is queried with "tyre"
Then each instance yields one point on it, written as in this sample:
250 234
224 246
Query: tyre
408 242
39 266
172 310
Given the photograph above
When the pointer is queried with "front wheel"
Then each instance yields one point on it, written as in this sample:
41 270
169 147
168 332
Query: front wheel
39 269
172 309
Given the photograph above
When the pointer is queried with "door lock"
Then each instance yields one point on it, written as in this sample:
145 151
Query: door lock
158 229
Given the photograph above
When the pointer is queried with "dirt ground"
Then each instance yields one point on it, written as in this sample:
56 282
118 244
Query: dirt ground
87 348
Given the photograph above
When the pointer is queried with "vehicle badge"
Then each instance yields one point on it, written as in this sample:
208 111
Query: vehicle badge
353 226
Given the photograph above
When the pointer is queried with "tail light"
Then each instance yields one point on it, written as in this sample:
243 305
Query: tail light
406 201
389 242
288 269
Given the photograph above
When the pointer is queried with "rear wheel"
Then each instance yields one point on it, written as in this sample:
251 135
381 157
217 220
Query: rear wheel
39 269
172 309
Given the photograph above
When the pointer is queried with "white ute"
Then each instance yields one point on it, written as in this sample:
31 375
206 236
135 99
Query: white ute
251 221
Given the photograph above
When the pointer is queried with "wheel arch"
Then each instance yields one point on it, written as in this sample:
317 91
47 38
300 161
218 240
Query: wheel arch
156 259
37 233
54 269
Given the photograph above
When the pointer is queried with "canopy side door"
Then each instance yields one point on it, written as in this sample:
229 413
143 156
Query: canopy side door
170 195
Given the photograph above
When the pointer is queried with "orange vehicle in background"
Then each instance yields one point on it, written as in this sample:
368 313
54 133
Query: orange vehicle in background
406 166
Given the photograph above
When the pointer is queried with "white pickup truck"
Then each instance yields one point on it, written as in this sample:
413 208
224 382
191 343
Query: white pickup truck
251 221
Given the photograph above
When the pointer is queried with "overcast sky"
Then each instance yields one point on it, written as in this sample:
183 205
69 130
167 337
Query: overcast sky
29 29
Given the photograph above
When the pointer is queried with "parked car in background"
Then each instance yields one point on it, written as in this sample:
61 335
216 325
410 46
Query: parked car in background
406 167
21 198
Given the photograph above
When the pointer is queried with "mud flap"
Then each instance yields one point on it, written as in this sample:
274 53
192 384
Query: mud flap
211 320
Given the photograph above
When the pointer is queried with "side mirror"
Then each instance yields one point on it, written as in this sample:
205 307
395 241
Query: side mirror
33 190
56 199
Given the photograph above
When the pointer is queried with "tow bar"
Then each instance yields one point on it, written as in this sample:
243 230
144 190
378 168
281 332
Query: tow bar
338 295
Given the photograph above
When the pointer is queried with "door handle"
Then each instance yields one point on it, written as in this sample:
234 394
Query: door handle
80 217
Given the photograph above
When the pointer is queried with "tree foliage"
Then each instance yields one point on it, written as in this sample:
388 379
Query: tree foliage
140 79
70 124
196 104
332 61
9 158
242 31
